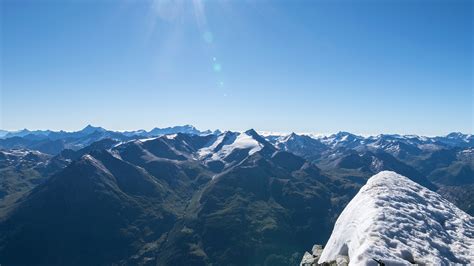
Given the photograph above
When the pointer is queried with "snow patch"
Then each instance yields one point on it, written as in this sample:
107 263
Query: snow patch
148 139
171 136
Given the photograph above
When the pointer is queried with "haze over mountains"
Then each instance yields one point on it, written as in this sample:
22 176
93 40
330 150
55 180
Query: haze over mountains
180 196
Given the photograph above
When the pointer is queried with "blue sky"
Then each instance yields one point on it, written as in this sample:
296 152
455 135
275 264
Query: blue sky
366 67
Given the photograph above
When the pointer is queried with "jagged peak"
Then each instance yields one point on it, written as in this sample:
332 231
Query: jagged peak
251 132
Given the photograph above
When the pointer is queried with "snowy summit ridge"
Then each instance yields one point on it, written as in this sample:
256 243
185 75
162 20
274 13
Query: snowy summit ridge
399 222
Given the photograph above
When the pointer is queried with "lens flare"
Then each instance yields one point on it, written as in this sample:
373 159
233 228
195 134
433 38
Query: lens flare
217 67
208 37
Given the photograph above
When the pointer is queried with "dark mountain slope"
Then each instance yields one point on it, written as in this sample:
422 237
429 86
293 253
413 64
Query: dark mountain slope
456 174
367 163
99 210
41 144
103 144
259 208
21 171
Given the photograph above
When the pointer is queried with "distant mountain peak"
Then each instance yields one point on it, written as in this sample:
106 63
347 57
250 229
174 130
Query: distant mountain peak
457 135
91 129
187 129
292 135
344 133
251 132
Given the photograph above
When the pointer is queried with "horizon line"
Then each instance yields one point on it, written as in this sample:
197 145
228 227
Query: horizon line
260 132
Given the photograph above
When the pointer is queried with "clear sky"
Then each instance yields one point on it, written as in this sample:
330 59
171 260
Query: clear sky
367 67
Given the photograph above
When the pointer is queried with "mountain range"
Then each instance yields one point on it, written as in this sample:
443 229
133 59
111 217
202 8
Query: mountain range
180 196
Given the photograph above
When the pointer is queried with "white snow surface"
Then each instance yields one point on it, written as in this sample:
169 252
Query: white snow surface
242 141
19 152
397 221
171 136
147 139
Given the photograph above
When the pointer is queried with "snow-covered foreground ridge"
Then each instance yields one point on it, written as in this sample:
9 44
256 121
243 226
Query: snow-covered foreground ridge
397 221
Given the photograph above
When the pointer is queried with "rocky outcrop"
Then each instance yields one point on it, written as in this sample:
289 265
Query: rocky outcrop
311 259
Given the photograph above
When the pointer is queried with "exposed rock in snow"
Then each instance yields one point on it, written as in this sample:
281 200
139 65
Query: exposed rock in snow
397 221
308 259
311 259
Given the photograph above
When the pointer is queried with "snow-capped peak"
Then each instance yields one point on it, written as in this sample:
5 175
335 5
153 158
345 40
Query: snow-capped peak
228 142
397 221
